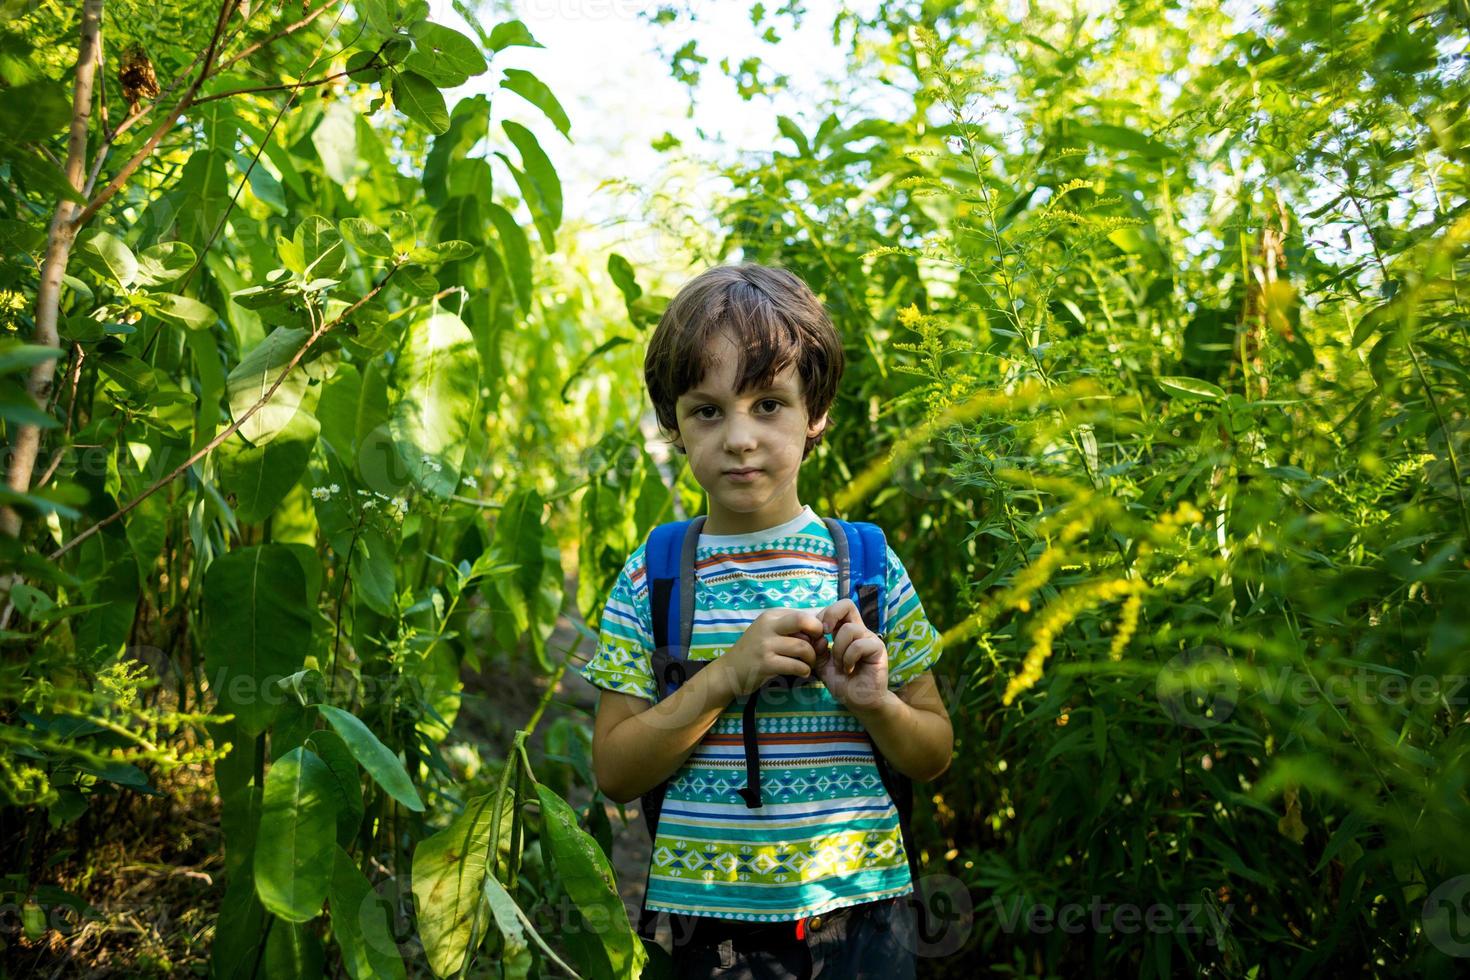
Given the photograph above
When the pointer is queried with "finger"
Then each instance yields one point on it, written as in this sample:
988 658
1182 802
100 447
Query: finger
790 665
863 649
794 647
845 635
841 611
800 621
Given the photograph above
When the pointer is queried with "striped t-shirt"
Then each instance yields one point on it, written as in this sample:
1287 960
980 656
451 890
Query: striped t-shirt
828 834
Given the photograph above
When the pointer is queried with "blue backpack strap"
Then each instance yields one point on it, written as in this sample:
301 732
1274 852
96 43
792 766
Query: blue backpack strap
862 568
669 558
669 562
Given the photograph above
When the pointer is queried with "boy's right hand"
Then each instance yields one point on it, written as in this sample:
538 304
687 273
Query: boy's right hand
780 641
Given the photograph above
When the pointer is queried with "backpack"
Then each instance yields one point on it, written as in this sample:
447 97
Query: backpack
862 556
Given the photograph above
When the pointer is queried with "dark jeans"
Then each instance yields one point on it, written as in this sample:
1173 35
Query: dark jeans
875 939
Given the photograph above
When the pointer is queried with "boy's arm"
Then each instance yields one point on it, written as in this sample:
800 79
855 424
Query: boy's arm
909 723
911 728
636 746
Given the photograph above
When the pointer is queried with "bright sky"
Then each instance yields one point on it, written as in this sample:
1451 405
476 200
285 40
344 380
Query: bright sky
600 60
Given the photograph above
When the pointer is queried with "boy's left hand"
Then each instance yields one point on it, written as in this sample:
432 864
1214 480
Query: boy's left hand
856 671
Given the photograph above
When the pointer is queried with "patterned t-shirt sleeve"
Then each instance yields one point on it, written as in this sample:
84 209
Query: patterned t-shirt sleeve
912 641
625 641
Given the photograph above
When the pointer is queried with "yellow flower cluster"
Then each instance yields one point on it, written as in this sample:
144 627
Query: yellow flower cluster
1185 513
1033 577
909 315
1053 620
1127 626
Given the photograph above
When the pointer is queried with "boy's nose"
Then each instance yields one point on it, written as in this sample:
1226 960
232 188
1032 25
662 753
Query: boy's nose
739 436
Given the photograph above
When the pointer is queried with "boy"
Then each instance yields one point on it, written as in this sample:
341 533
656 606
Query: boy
742 368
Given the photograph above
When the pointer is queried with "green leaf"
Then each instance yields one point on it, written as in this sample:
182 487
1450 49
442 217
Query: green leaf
510 32
36 110
1191 387
320 247
233 953
536 92
402 231
254 375
39 175
265 297
449 869
293 952
346 781
577 372
416 281
451 251
371 565
621 271
516 252
136 376
366 237
444 55
531 598
110 256
293 862
17 406
16 356
259 629
184 309
360 923
583 870
538 167
514 926
375 757
793 132
393 16
261 476
1122 138
420 101
164 263
531 194
432 420
335 139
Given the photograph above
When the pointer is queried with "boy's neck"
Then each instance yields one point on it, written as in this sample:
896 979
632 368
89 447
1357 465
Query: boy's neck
723 521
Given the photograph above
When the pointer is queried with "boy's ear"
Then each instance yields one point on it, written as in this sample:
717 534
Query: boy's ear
817 426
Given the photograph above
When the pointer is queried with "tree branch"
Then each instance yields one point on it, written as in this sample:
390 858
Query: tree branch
291 87
232 427
146 150
283 32
60 238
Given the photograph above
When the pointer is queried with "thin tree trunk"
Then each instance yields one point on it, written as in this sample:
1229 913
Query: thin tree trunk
63 233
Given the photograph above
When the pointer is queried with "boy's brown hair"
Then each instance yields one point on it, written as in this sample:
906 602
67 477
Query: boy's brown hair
774 320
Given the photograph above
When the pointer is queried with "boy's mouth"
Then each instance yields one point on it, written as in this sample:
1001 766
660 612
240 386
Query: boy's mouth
745 474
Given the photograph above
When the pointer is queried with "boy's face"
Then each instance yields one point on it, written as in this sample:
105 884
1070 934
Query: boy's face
763 431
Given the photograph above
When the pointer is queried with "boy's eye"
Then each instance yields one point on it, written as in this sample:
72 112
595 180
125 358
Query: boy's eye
775 406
